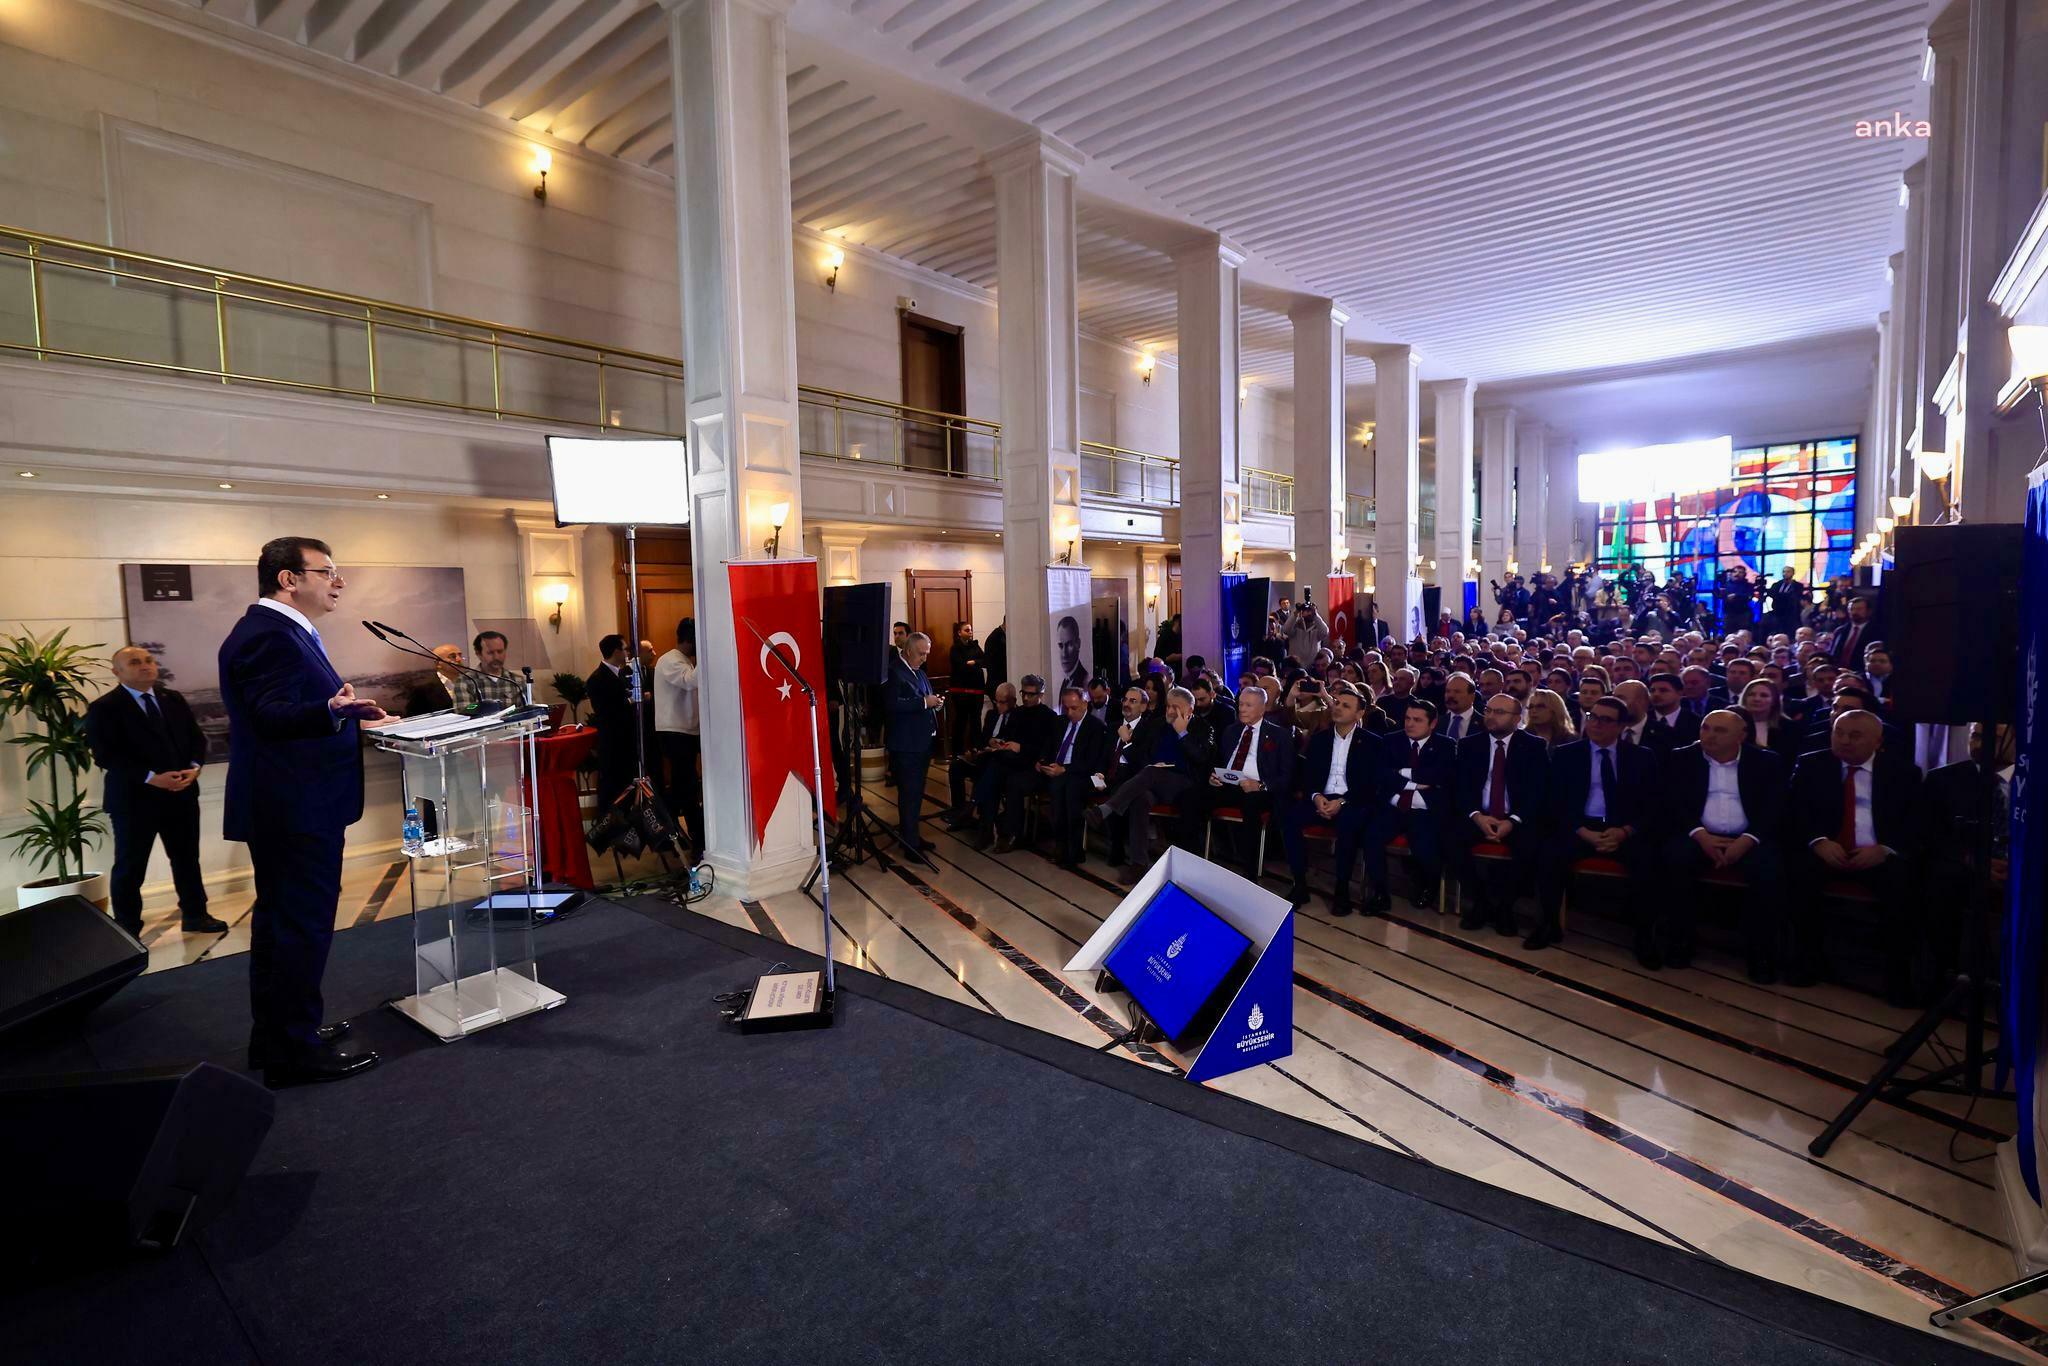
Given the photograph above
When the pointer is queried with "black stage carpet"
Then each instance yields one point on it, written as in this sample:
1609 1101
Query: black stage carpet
623 1180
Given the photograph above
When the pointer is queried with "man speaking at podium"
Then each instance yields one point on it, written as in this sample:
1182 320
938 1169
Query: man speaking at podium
295 785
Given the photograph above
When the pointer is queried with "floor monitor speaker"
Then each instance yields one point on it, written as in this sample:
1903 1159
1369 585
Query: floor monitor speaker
58 960
101 1162
1951 618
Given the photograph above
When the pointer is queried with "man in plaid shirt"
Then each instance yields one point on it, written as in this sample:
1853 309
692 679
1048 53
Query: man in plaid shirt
502 688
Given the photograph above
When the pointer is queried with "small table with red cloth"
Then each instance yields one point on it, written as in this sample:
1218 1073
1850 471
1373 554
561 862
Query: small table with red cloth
563 856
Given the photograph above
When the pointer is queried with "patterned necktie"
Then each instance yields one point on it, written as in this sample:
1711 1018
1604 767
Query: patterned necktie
1244 750
1497 798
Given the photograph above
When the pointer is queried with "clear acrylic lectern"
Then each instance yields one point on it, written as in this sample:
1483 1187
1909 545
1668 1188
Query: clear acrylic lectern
472 865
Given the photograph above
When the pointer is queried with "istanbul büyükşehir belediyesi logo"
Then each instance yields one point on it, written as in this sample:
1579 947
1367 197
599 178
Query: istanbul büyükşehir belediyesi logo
1257 1019
1173 949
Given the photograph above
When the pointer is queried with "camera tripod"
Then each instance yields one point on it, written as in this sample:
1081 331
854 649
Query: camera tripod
859 833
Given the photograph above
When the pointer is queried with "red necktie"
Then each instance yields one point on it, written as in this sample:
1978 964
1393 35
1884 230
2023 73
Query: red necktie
1846 836
1497 800
1414 761
1244 750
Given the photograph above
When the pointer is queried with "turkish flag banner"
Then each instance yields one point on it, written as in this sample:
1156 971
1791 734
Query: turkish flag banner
1343 630
778 599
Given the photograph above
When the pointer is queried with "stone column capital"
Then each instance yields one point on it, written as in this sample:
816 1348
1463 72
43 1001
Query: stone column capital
1033 150
1209 246
1312 311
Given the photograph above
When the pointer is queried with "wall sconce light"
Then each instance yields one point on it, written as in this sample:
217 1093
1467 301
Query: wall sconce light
1233 548
1935 465
1514 567
2029 345
1073 551
1885 525
834 259
777 515
543 162
1244 391
1290 557
556 593
1902 506
1152 593
1145 367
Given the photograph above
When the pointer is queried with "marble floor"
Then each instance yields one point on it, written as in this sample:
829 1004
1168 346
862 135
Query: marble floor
1676 1105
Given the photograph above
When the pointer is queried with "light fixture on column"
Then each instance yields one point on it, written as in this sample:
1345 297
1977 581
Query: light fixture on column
834 259
557 594
1514 566
1145 363
1244 391
778 513
1902 506
1937 467
1233 549
543 162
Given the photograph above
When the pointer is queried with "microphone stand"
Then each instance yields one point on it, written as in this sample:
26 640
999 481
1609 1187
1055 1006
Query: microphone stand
817 805
384 631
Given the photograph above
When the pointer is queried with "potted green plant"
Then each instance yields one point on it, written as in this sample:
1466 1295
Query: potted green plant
572 690
44 681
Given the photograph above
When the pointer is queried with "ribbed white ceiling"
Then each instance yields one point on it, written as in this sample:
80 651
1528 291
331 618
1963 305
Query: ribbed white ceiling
1517 187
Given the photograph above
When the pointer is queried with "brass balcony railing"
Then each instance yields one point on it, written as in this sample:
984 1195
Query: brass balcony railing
70 300
1268 491
1132 476
836 426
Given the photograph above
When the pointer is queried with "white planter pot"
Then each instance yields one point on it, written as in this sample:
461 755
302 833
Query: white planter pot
874 765
91 886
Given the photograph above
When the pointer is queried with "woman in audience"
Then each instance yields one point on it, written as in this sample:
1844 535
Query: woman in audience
1374 679
1549 721
1763 706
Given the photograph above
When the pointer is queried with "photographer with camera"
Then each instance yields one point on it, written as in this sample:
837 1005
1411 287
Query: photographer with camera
1306 631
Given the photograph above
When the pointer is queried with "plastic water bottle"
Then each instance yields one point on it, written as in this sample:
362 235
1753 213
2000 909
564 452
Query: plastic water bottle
415 833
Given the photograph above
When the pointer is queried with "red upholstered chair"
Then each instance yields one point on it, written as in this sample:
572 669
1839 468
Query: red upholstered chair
1593 865
1486 849
1231 815
563 855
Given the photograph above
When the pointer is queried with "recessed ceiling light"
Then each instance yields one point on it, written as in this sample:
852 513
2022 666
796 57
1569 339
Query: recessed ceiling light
383 497
224 486
27 474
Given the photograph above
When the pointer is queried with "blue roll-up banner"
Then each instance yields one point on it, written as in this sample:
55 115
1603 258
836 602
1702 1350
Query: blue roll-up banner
2027 887
1237 640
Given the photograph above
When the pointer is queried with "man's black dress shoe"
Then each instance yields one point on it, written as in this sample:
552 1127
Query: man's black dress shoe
1298 894
203 924
327 1065
1339 908
1379 903
1543 936
326 1033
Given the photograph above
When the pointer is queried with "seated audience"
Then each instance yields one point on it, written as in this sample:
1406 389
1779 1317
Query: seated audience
1503 791
1339 780
1602 794
1415 801
1070 764
1724 808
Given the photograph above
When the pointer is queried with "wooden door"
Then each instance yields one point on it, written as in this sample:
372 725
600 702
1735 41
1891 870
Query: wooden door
937 601
1173 585
935 380
667 592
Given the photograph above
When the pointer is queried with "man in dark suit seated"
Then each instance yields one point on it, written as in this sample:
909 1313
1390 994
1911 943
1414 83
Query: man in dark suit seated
1159 768
1723 812
1075 750
1260 749
1846 645
1416 798
1967 816
1503 789
295 785
611 711
1852 812
1670 725
1338 780
1008 781
965 770
912 712
144 739
1128 744
1602 794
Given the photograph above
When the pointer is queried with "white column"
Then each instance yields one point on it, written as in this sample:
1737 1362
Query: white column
1040 402
1397 483
1908 330
728 69
1453 552
1562 471
1532 502
1878 435
1496 499
1993 464
1210 487
1940 240
1318 439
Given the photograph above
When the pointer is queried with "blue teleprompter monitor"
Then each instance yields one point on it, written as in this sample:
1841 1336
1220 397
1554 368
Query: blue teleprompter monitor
1177 953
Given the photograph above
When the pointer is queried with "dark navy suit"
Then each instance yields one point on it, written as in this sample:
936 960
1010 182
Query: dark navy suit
294 786
912 726
1361 789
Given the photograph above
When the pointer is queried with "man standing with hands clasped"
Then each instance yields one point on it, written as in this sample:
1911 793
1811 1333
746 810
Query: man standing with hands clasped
144 739
295 785
913 722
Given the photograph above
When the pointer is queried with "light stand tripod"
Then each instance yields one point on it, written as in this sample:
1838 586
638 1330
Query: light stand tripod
1968 991
859 831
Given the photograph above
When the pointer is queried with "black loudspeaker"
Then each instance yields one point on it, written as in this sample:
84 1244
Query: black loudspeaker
60 959
1952 621
857 633
105 1161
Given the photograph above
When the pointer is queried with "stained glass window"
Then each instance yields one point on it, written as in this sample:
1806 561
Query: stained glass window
1793 503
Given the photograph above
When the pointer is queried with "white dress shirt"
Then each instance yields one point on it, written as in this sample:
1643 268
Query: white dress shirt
675 694
1338 783
1250 769
138 694
1458 724
306 625
1494 745
1418 800
1723 813
1866 828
